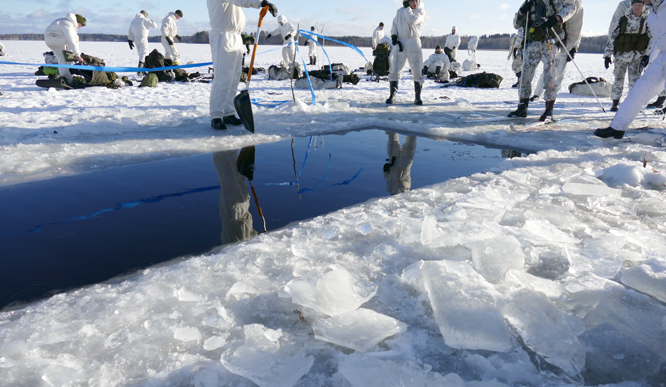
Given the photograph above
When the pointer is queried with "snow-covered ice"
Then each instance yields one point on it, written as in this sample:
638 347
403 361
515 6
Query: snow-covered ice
540 272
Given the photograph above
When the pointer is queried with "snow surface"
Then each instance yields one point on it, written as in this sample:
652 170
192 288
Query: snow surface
561 253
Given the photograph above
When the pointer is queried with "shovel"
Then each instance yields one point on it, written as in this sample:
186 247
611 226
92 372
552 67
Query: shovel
242 101
245 166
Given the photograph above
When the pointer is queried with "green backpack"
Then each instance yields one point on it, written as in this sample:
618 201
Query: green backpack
149 80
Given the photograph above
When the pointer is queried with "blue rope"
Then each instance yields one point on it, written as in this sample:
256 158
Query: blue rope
307 75
112 69
330 67
336 41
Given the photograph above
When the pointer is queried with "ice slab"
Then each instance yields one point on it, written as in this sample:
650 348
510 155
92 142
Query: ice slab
368 371
267 369
333 293
359 329
551 289
464 305
620 174
265 339
612 357
187 334
544 329
648 278
589 186
493 257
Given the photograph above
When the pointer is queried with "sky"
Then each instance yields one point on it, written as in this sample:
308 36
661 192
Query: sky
338 18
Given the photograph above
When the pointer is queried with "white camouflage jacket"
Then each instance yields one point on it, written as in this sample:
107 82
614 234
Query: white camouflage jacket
140 27
169 28
633 27
562 8
408 22
66 28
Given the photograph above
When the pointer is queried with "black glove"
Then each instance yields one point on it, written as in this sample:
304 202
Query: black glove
394 39
168 39
271 7
400 46
287 37
131 44
645 61
607 61
572 54
425 70
268 36
550 22
307 43
525 7
405 4
179 38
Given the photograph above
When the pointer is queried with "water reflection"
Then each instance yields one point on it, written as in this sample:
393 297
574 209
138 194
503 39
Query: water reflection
398 169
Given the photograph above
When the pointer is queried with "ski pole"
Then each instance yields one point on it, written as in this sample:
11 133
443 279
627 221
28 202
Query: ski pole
522 68
577 68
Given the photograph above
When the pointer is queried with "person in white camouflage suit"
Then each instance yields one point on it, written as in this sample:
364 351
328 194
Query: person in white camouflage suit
516 51
630 45
545 16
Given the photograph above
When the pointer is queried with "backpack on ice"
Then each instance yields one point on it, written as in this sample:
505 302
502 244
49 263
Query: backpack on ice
149 80
482 80
600 86
381 64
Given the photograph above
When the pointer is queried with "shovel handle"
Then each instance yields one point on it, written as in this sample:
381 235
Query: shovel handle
263 13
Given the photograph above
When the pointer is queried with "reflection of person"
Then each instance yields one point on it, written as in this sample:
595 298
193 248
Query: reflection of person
234 199
169 34
62 35
397 171
138 34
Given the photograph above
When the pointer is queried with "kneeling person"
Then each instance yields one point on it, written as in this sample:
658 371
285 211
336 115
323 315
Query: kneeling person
437 66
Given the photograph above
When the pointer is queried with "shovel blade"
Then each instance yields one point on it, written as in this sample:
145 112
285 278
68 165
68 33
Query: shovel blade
243 106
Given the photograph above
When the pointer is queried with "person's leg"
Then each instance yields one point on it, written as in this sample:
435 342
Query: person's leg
531 59
234 75
619 72
634 70
221 82
416 64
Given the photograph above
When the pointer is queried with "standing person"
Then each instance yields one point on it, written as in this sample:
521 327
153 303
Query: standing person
138 34
170 34
451 45
648 86
630 45
288 31
406 39
437 65
544 18
516 52
377 35
62 35
572 39
312 47
2 50
227 21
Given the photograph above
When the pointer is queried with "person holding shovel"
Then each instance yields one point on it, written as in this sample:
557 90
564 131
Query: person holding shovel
227 21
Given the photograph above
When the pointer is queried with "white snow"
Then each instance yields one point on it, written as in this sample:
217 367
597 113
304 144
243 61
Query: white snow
566 244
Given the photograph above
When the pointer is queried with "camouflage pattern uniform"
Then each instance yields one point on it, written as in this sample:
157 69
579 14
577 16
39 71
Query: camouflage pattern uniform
517 45
629 61
546 51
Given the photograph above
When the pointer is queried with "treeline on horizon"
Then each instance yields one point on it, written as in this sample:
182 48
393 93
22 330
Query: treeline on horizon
590 44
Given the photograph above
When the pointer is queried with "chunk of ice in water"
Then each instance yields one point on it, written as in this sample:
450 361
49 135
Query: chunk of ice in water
359 329
464 305
187 334
544 329
267 369
368 371
493 257
333 293
612 357
648 278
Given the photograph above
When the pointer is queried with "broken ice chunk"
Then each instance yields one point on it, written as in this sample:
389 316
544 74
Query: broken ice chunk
368 371
429 231
240 289
358 329
544 330
590 190
265 339
648 278
214 342
334 293
550 288
493 257
187 334
187 296
613 357
463 303
267 369
58 376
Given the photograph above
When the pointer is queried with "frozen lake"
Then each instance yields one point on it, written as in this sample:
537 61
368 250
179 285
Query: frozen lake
545 270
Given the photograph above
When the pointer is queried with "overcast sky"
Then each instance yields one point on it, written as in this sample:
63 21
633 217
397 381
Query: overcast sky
341 17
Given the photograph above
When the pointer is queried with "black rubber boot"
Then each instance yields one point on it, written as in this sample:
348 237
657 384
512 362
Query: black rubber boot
394 89
232 120
216 123
609 132
438 69
522 108
417 93
517 85
616 105
659 103
548 112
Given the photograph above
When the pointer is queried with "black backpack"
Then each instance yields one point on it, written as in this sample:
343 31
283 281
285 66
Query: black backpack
482 80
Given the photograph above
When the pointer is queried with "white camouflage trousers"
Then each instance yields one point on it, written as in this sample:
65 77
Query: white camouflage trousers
622 66
559 75
534 53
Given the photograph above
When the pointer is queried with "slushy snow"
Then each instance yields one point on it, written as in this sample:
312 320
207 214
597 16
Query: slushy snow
545 271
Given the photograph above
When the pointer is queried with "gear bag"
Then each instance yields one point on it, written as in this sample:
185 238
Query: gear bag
481 80
601 88
154 60
625 42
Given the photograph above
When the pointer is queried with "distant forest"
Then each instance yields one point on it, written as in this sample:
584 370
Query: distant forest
592 44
